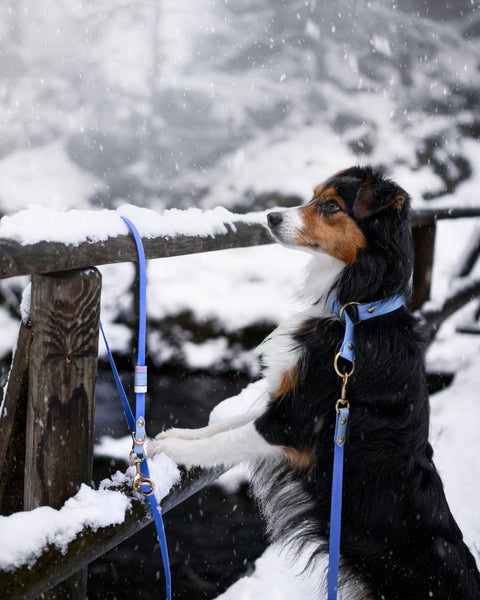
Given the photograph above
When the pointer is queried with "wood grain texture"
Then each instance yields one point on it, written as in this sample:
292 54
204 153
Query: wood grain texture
12 426
65 314
48 257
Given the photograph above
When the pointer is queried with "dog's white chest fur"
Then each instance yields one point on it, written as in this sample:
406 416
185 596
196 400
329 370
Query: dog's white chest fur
280 352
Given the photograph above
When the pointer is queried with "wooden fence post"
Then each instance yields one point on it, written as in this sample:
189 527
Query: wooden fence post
13 425
424 244
65 313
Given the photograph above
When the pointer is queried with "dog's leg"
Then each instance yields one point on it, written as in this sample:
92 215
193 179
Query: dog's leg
243 443
204 432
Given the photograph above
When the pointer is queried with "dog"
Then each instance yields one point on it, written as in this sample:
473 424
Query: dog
399 540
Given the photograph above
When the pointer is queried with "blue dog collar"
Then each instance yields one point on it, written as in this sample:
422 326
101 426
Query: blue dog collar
365 312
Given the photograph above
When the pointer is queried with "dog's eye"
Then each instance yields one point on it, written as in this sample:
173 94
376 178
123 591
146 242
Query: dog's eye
331 207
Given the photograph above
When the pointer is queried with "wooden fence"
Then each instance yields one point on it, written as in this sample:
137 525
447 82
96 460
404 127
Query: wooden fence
46 441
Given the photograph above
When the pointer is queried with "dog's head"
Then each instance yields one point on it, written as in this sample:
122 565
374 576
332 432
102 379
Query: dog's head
358 217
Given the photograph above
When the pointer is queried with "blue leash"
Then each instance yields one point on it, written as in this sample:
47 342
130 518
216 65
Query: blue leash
336 506
347 351
142 482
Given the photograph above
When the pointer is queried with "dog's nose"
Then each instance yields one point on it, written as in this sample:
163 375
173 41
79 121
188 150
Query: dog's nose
274 219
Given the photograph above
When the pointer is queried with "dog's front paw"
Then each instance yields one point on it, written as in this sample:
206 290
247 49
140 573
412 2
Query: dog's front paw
178 450
181 434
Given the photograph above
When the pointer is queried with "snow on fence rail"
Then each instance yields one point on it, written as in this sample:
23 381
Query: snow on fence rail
39 460
41 240
44 241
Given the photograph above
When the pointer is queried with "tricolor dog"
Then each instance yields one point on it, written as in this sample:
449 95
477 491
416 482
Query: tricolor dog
399 540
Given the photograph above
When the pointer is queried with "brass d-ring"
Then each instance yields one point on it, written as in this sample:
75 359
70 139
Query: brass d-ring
337 370
340 314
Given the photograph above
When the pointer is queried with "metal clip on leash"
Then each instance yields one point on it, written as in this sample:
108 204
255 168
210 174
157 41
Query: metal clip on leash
342 401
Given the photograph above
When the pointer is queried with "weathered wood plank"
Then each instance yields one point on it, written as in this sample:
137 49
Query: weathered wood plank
424 246
65 313
429 216
45 257
12 426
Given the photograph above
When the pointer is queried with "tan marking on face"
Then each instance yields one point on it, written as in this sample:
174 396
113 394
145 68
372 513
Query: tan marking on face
300 460
317 192
289 381
399 201
335 234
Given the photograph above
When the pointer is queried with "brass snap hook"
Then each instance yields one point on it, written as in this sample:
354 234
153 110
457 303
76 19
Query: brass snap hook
139 479
342 401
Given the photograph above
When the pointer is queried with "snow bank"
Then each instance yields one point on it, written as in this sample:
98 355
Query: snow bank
25 535
277 576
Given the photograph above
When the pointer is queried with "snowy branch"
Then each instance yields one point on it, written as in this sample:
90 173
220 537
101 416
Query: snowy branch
464 292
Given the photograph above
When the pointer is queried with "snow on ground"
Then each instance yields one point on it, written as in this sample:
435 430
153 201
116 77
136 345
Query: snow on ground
235 287
278 576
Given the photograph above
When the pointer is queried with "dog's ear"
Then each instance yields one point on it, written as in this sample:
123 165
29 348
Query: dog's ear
374 197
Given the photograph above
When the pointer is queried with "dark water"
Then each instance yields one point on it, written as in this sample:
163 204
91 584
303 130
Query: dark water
213 537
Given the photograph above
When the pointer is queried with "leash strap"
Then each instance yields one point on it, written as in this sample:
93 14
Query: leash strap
336 506
347 351
136 424
123 397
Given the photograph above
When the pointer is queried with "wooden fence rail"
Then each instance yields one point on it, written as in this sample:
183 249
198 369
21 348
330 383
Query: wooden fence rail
47 257
56 361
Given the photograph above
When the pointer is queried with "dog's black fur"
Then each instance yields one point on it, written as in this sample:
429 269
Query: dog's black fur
398 533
